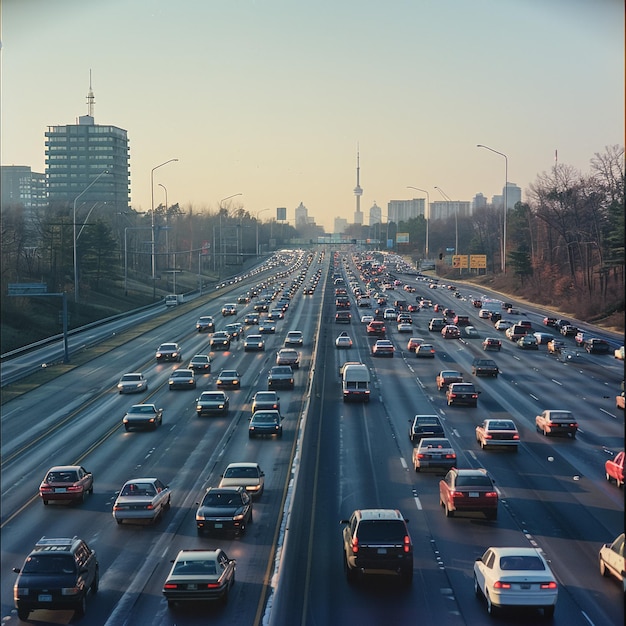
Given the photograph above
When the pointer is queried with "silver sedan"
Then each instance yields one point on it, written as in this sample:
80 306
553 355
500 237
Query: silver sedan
142 499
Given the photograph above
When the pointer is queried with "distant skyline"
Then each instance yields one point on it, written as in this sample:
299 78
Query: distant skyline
271 99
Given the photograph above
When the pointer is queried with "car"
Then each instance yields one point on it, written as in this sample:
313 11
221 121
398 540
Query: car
581 336
228 378
555 346
280 376
143 416
169 352
620 401
445 377
265 422
132 382
462 393
405 327
383 347
568 330
182 379
560 323
433 452
485 367
377 541
205 324
235 330
229 309
220 341
66 483
366 319
390 314
477 304
265 400
493 433
549 321
425 350
142 499
422 426
261 307
468 490
470 332
516 332
250 476
276 314
594 345
254 343
461 320
343 317
556 422
413 343
267 327
495 316
57 574
199 575
510 577
404 317
212 402
614 469
611 559
618 353
492 343
251 319
294 338
243 299
376 328
436 324
484 314
224 510
543 338
343 341
528 342
503 324
288 356
450 331
200 363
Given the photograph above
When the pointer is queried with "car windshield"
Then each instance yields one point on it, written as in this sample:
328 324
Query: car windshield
241 472
62 477
131 377
221 499
181 374
522 562
381 531
138 489
427 421
49 564
501 425
194 568
142 408
211 395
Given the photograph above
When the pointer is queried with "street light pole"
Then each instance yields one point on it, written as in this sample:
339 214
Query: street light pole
93 182
221 240
456 221
426 213
153 238
506 186
167 242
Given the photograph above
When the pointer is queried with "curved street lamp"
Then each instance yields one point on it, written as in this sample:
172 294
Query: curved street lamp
456 220
93 182
426 213
506 185
257 228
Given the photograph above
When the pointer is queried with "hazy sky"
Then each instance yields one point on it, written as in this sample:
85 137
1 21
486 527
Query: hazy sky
269 98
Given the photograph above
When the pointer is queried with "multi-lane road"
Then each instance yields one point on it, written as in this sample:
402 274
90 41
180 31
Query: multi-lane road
332 459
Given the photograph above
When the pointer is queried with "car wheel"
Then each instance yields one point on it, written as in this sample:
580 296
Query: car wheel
603 570
417 469
449 513
573 435
81 500
23 614
46 501
126 427
477 589
548 611
96 582
119 521
90 490
168 504
350 573
482 444
81 607
250 435
491 609
251 518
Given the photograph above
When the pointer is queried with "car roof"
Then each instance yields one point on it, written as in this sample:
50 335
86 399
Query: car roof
243 464
376 514
64 468
434 441
211 393
198 555
514 551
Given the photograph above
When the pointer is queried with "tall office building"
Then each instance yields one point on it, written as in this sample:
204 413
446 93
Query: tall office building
404 210
358 192
513 195
302 216
78 154
376 214
21 186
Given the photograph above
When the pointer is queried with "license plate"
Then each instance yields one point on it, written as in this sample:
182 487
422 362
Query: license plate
218 525
44 597
525 586
192 587
473 494
436 456
381 551
60 490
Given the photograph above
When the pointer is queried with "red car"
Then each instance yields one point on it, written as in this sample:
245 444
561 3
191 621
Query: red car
470 490
615 469
69 483
376 328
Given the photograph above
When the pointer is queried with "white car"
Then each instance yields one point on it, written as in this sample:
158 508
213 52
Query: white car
142 499
343 341
132 383
248 475
611 559
366 319
515 577
405 327
390 314
294 338
503 324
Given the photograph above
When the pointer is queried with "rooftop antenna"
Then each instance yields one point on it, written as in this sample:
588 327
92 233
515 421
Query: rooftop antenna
90 98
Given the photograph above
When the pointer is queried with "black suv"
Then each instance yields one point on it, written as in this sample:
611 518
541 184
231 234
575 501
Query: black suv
57 574
376 540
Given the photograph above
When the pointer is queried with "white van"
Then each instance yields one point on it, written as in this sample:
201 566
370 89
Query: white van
355 383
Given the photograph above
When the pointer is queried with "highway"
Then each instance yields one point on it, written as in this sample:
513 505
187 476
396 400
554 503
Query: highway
333 458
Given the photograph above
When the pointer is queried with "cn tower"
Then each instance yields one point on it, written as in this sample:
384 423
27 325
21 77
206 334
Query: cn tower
358 192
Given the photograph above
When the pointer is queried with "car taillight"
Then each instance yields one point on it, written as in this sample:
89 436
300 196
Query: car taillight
421 456
451 456
355 545
170 586
213 585
500 585
75 488
550 585
46 488
452 394
457 494
491 494
149 507
488 436
474 395
516 436
407 543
